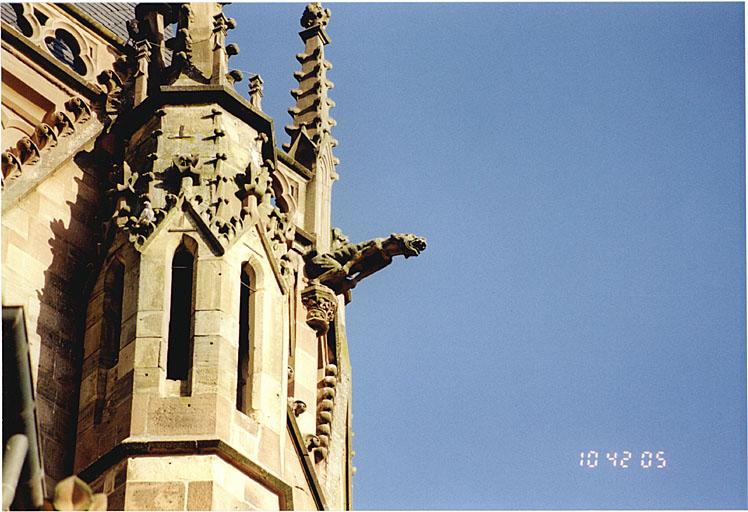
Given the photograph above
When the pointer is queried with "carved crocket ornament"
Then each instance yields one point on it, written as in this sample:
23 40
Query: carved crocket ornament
347 264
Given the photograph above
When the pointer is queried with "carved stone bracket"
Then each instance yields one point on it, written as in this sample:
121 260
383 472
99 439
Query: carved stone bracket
31 150
320 305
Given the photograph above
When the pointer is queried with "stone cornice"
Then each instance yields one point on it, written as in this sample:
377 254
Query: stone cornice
223 95
192 447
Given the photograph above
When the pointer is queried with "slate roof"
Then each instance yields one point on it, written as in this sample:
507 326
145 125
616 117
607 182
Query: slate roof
8 15
112 16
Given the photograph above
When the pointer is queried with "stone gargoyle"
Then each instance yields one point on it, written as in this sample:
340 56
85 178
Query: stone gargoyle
347 264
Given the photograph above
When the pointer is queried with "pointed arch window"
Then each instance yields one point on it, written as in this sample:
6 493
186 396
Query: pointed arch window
114 284
111 328
181 313
245 323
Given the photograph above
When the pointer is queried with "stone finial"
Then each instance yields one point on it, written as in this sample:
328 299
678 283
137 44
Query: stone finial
256 91
143 59
321 305
315 15
72 493
151 20
221 25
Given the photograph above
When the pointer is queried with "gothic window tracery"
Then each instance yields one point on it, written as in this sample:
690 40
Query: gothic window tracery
46 28
65 48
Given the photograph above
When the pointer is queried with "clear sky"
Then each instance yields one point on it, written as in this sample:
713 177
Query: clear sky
578 170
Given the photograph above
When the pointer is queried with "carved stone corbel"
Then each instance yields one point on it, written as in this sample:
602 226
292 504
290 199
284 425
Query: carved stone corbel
61 122
79 109
44 136
27 151
321 304
11 165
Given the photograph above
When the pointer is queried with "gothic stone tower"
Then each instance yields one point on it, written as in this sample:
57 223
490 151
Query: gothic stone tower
216 372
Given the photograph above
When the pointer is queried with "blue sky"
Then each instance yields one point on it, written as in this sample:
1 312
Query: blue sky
578 170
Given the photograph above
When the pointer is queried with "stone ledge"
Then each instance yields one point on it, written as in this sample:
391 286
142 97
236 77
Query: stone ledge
196 447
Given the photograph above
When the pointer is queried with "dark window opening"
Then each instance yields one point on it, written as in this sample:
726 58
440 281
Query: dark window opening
330 345
66 49
244 327
41 17
23 23
114 285
179 356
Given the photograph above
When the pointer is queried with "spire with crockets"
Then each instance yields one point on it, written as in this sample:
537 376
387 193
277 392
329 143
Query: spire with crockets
312 124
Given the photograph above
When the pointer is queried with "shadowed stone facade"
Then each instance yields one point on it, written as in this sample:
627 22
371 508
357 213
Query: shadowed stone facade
184 290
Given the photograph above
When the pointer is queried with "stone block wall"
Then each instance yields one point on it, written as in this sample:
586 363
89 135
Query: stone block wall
49 241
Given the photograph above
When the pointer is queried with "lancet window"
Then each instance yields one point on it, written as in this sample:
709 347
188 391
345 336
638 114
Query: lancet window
181 313
245 322
111 327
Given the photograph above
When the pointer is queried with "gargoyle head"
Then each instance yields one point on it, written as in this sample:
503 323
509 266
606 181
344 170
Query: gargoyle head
410 244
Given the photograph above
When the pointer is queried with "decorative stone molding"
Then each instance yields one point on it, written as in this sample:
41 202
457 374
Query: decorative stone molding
50 30
297 406
312 442
325 407
56 125
200 177
321 304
